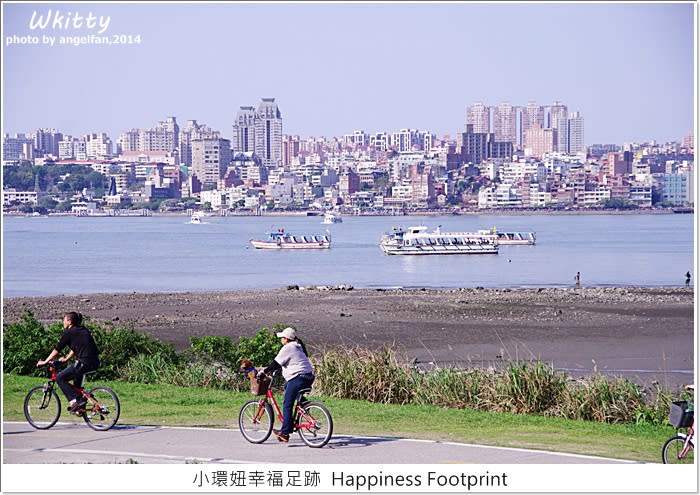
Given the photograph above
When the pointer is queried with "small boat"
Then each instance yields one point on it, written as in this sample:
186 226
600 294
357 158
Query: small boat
417 240
331 217
511 238
284 240
196 217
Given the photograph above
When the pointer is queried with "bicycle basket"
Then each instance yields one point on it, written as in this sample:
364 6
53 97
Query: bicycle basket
259 385
680 416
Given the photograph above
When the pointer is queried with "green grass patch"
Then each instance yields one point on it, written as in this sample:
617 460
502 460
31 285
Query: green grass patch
206 407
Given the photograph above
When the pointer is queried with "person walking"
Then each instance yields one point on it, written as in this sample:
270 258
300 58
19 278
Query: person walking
297 372
687 279
81 344
577 279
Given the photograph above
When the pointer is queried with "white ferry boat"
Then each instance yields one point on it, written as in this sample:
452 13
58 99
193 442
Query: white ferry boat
511 238
417 240
284 240
331 217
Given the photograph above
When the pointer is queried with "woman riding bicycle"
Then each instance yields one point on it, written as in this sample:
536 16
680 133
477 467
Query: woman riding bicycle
297 372
81 344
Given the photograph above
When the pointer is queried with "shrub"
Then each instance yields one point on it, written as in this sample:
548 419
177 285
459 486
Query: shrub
25 342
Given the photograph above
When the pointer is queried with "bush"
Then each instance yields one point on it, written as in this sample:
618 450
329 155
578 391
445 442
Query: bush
27 341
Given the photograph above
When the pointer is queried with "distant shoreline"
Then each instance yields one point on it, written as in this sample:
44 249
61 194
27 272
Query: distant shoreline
136 214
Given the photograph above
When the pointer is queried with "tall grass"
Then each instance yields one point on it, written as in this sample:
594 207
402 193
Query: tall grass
517 387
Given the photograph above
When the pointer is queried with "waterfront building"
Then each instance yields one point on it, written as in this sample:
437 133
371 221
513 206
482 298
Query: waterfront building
11 195
210 159
193 130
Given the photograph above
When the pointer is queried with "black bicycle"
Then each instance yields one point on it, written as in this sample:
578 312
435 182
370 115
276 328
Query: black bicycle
42 407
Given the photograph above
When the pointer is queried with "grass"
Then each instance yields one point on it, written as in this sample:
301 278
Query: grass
195 406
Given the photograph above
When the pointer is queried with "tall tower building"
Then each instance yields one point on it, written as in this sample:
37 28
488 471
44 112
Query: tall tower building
268 133
531 115
244 131
570 134
556 112
504 120
478 118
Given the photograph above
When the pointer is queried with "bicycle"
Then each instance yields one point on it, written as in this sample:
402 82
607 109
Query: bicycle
312 420
679 449
42 406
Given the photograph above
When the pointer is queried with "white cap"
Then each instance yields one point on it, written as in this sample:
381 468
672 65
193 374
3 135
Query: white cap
288 333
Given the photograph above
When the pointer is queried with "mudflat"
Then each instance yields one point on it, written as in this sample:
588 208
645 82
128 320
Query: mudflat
645 334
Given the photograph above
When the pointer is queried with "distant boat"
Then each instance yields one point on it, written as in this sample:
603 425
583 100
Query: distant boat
418 241
284 240
331 217
511 238
196 217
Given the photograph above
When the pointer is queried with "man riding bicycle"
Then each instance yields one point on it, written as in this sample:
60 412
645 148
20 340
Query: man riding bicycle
81 344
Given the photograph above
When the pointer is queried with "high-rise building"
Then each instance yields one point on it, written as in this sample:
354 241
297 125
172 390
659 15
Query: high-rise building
210 159
191 131
46 142
530 115
570 134
538 141
556 112
504 123
478 118
268 133
260 132
244 131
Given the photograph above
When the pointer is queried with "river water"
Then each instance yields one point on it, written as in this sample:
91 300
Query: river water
45 256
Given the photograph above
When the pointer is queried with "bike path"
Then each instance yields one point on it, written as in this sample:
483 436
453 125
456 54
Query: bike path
77 443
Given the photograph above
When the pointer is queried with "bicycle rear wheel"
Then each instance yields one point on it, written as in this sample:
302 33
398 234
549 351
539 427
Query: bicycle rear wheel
42 407
673 449
103 409
315 424
255 421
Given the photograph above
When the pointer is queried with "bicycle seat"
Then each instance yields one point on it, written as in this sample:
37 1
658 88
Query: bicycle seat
301 394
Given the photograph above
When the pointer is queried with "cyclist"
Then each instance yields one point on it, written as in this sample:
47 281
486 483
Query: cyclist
81 344
692 387
297 372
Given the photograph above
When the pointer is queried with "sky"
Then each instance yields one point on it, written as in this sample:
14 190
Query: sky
333 68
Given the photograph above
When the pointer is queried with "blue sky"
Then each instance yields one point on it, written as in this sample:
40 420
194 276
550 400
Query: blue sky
628 68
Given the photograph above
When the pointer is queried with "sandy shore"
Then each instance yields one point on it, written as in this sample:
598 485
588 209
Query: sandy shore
641 333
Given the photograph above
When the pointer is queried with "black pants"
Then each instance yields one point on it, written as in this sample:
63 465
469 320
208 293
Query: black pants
74 372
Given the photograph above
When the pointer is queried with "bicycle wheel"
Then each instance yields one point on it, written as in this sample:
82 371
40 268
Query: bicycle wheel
315 424
673 449
42 407
103 409
255 423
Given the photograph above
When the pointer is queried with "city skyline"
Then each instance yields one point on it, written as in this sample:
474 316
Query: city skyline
338 68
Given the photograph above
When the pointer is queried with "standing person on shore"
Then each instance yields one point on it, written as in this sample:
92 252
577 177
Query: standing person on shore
687 279
297 371
81 344
577 279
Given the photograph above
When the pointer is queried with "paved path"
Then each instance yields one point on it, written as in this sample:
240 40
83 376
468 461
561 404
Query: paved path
77 443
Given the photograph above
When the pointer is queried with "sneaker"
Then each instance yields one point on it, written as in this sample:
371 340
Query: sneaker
282 437
79 404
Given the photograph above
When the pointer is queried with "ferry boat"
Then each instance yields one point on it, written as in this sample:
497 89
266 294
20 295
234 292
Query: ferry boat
511 238
417 240
331 217
284 240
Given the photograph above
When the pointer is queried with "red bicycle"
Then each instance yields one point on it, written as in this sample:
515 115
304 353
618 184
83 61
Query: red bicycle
42 407
312 420
679 449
